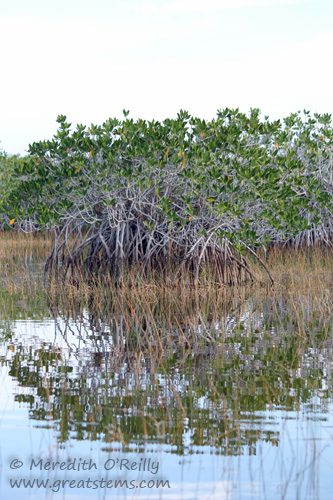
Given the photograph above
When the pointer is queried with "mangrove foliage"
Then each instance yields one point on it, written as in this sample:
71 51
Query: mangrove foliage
182 196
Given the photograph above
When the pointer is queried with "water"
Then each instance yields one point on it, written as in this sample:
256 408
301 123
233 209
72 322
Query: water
229 398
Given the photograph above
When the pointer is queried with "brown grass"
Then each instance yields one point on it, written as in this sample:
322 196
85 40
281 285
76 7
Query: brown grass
303 278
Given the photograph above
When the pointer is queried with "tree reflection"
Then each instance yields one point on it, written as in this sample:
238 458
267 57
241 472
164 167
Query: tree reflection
189 373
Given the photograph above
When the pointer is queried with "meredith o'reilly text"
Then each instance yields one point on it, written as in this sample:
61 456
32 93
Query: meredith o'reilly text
78 464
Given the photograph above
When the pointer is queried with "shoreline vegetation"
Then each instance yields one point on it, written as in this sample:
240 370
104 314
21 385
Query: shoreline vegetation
183 200
301 271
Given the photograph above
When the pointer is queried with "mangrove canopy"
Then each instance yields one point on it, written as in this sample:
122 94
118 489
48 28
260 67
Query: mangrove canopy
184 194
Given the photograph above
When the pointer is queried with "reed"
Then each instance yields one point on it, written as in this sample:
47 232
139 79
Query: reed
22 285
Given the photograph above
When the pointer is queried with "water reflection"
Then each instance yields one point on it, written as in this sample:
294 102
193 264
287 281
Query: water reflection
191 382
230 390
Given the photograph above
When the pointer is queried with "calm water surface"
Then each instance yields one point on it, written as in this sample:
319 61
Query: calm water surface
230 401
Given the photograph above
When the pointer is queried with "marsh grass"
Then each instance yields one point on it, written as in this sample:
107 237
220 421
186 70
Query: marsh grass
302 291
303 277
22 284
20 252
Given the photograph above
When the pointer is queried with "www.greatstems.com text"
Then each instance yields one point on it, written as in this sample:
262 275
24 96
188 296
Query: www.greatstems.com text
58 484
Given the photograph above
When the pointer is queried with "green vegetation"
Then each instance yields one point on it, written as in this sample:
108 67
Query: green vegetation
9 181
181 196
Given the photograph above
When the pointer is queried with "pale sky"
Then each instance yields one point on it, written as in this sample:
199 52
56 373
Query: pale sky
91 59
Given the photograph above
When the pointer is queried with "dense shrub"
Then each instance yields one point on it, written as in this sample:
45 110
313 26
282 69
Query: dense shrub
199 191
